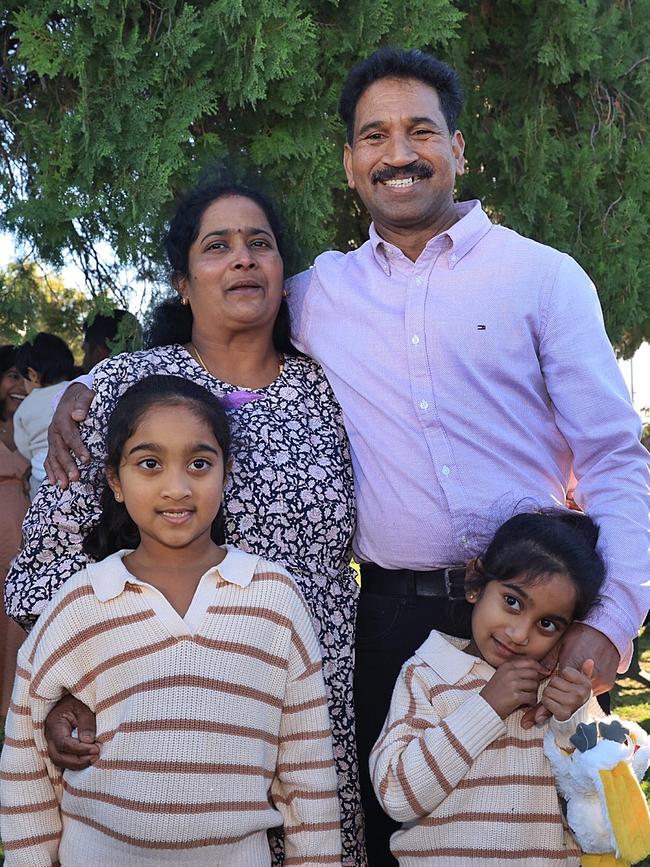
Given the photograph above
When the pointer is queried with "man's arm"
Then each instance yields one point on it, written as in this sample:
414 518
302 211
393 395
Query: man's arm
594 414
63 435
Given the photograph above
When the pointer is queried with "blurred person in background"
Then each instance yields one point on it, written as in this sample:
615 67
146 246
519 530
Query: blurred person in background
104 335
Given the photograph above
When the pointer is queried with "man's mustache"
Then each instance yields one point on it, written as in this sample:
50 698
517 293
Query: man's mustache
417 169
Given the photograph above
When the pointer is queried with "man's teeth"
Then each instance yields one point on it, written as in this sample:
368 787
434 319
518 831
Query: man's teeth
401 182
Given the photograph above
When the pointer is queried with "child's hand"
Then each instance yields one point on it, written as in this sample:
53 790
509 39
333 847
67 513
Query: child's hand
568 690
514 684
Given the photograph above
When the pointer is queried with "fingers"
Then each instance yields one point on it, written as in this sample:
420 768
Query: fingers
588 668
70 753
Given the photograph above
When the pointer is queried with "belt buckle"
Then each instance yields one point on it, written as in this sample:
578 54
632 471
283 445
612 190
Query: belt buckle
449 585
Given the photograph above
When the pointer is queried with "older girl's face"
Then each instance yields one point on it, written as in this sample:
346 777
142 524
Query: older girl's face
235 272
12 392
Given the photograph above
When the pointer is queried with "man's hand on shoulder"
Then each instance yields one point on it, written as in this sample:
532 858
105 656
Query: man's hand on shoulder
63 436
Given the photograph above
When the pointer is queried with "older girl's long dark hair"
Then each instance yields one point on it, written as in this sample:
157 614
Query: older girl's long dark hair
115 529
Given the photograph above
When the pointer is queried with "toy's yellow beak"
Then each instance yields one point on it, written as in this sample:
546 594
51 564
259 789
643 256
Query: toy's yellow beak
627 813
609 860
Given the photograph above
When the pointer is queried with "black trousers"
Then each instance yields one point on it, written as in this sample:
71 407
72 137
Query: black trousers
389 630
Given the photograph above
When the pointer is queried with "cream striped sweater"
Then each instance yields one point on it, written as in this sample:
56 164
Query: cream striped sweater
209 735
472 790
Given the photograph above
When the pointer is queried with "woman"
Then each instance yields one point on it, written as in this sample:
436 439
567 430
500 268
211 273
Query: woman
13 496
228 331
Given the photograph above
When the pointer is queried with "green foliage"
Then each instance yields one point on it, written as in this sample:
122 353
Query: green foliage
31 301
109 110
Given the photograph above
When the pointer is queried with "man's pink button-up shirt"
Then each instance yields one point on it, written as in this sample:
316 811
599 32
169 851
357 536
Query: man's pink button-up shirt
473 382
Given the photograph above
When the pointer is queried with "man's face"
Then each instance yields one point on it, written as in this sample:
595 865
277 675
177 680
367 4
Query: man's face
403 161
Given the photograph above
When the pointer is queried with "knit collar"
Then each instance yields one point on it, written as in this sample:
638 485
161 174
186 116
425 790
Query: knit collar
445 655
110 576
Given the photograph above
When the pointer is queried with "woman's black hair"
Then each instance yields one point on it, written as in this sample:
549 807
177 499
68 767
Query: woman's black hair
7 361
172 321
116 529
49 356
402 63
532 546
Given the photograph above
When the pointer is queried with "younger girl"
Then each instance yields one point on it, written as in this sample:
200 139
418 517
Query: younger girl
453 763
199 661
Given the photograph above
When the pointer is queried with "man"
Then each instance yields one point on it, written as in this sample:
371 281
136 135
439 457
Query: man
474 374
100 331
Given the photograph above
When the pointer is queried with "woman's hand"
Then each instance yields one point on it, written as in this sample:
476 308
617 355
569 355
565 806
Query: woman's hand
568 690
63 435
514 684
65 750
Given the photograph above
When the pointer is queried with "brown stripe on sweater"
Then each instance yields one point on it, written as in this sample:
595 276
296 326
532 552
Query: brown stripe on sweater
410 721
252 611
311 826
489 854
290 767
154 844
36 807
190 680
509 818
304 705
306 795
409 794
188 725
23 776
174 808
443 688
306 736
243 650
520 743
22 744
311 669
508 780
22 673
298 643
24 842
20 709
83 635
138 765
456 744
278 578
435 768
72 596
118 659
312 859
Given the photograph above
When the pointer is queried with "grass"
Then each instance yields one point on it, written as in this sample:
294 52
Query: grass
630 700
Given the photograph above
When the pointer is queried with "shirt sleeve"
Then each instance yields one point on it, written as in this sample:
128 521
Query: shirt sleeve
30 786
21 435
594 414
304 789
58 521
420 758
298 290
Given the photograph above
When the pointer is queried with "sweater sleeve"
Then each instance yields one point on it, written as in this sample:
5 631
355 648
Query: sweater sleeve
30 785
420 757
58 521
304 789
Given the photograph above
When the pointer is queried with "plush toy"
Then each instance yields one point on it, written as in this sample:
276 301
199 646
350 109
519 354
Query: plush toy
599 780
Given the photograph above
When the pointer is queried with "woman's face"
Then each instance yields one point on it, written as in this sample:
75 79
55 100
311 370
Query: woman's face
12 391
235 272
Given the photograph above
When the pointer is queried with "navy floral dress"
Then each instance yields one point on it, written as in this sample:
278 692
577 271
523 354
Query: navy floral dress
289 498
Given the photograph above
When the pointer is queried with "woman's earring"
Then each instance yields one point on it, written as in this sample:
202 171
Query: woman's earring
185 301
471 597
118 497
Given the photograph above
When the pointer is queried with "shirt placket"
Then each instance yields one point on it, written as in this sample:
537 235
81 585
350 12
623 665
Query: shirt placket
420 337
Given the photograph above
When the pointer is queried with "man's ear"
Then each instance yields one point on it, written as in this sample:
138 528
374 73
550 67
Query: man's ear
33 376
347 165
458 150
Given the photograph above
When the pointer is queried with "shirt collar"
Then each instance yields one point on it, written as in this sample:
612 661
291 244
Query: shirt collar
110 576
472 224
445 655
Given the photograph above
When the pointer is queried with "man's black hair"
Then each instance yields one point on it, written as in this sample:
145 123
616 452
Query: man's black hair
99 329
402 63
49 356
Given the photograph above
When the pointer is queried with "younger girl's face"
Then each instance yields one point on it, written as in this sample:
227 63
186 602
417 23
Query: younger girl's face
516 618
171 478
12 391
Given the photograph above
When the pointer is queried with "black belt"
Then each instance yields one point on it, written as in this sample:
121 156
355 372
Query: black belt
447 582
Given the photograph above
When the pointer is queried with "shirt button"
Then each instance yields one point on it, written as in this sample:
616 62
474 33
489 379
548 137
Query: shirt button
453 258
424 404
415 340
445 470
